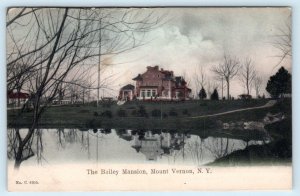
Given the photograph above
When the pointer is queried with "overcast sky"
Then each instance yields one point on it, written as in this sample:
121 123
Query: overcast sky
200 36
194 37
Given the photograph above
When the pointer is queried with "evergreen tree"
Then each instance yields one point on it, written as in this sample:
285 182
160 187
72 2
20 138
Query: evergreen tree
202 94
279 84
215 95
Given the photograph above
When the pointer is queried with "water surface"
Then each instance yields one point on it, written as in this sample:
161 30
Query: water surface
56 146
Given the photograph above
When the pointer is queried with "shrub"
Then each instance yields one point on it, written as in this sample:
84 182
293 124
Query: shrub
165 115
142 111
202 94
28 109
107 114
214 95
134 112
156 113
90 123
83 111
279 84
107 104
185 112
130 107
203 104
121 113
245 96
172 112
96 114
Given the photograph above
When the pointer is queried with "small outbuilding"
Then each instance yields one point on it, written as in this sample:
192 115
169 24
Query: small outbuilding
17 99
127 92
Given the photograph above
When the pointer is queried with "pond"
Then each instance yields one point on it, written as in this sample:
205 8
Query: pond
57 146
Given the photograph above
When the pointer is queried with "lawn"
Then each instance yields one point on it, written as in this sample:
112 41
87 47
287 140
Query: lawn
136 114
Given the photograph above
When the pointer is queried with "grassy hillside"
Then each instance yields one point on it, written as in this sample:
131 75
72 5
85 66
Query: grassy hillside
277 152
138 114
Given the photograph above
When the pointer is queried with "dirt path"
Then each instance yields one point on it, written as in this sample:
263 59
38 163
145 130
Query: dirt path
268 104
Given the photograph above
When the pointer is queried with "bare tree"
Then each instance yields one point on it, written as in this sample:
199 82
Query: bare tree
283 41
227 70
19 13
258 81
199 79
211 86
57 42
247 74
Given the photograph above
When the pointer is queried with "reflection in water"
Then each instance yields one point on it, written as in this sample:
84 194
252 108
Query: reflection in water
54 146
21 151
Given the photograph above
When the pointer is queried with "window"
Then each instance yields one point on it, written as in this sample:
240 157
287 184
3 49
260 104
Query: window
153 93
166 93
148 93
143 94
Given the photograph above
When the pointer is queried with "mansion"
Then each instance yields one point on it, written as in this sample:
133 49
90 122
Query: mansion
156 84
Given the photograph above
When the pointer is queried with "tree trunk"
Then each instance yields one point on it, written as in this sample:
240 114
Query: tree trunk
248 91
18 94
83 96
227 89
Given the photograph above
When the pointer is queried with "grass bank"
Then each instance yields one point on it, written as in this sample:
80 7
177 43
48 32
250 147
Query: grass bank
137 114
277 152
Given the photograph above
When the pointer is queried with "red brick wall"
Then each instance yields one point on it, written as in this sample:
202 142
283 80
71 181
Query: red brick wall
152 77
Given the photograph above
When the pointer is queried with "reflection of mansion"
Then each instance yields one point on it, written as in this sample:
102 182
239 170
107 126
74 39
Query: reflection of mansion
156 84
155 145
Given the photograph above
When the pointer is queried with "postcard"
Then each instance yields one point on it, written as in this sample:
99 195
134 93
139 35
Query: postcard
149 99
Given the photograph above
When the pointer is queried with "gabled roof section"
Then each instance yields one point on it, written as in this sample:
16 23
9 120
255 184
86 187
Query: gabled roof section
179 81
138 77
128 87
169 75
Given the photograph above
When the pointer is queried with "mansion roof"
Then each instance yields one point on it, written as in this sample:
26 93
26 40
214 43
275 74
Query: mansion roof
128 87
168 75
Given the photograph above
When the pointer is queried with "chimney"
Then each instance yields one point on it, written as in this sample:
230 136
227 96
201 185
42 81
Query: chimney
148 67
156 67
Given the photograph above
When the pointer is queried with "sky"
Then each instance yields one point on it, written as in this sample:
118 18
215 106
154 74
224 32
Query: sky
190 38
193 37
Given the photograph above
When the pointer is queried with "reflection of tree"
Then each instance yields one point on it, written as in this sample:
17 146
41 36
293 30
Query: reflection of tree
178 147
35 147
39 145
85 142
196 150
61 137
21 151
11 142
71 136
219 147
